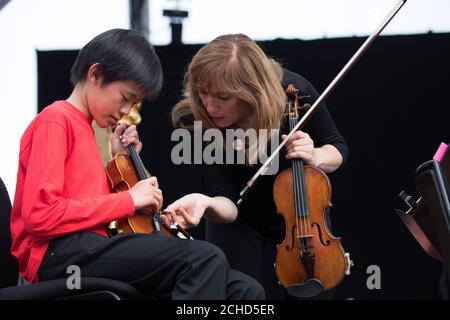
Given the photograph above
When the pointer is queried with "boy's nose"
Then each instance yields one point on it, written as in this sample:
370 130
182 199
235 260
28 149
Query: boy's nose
125 109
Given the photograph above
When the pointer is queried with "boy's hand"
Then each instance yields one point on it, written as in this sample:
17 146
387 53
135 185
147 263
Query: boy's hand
147 196
123 135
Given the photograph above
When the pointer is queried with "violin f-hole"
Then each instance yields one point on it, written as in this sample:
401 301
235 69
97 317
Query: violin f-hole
319 230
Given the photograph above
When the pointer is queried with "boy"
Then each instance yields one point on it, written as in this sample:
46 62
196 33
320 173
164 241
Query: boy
63 203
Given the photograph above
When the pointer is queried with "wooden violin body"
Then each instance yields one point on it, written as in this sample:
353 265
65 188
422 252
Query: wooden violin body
124 172
123 177
326 261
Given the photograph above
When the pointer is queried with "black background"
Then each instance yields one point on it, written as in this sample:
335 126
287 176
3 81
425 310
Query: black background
392 109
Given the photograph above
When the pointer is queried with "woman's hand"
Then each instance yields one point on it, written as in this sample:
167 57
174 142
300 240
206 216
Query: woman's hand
186 211
301 146
123 135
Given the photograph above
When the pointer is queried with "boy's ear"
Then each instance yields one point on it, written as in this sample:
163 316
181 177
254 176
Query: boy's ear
94 74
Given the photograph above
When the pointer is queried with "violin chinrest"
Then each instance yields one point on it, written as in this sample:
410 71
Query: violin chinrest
312 288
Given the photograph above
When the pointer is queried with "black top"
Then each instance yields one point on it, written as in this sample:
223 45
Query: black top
258 207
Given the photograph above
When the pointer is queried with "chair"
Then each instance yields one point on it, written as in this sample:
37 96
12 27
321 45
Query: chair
91 288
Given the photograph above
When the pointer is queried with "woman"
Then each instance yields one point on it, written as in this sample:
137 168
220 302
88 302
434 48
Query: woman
232 84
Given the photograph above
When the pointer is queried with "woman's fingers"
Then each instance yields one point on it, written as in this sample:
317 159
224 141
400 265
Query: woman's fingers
191 220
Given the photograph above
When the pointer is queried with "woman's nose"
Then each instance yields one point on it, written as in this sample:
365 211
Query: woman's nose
210 104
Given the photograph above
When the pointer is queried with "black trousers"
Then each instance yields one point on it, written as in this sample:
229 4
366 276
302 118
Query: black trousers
251 250
154 263
248 251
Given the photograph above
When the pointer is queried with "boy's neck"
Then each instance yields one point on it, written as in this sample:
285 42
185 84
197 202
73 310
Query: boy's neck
78 100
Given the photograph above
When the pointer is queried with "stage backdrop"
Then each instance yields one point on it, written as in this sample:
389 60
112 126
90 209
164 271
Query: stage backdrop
393 110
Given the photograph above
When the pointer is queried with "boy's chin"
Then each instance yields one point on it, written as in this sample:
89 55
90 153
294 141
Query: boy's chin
106 125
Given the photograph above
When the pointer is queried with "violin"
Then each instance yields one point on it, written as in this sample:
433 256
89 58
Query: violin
310 259
124 171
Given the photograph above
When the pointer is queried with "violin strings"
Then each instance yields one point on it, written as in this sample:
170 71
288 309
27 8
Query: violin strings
299 203
301 196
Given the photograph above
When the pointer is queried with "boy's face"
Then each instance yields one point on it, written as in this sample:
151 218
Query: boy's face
108 103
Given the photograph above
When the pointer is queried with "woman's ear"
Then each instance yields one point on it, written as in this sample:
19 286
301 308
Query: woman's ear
94 74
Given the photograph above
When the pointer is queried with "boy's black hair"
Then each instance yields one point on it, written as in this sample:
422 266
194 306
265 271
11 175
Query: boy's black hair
121 55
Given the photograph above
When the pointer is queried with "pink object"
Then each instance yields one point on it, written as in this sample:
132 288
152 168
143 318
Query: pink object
440 152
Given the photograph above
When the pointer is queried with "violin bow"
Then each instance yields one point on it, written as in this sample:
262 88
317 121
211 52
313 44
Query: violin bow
324 95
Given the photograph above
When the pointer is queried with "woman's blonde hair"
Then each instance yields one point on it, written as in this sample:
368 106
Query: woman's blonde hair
234 64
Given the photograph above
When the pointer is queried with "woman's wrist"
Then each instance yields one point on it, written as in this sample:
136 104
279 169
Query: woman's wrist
327 158
209 205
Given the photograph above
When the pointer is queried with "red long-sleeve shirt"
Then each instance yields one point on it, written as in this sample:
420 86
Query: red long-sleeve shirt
61 186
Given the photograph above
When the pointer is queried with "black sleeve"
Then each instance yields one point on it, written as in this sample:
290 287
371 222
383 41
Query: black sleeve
320 126
216 179
217 182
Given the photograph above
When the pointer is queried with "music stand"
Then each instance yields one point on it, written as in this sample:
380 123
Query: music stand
432 184
428 218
